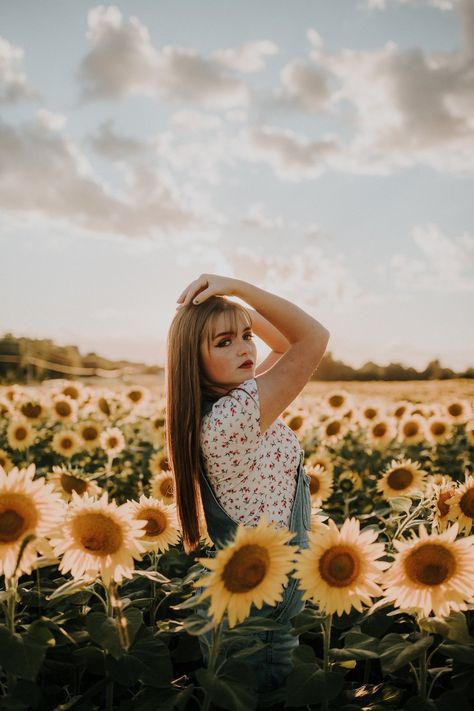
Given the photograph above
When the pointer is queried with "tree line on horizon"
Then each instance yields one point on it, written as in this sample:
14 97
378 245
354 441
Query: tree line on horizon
28 359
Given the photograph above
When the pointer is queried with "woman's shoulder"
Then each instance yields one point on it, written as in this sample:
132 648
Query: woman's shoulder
239 403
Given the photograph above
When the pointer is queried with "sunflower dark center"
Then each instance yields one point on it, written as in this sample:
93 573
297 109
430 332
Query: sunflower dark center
438 428
20 433
380 429
400 479
466 503
98 533
443 507
410 428
156 521
167 488
71 483
333 428
135 395
246 568
339 566
430 564
11 524
370 413
336 400
314 485
31 410
295 422
455 409
89 433
63 408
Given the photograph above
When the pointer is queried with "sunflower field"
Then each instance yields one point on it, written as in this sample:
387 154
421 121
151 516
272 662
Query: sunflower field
101 608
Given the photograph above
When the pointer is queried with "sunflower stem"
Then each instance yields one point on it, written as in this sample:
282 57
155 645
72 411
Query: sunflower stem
423 671
211 663
326 630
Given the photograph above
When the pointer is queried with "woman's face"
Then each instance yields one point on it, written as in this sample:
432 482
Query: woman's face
227 352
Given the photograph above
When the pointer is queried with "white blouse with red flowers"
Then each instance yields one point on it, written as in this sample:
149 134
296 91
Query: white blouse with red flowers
250 473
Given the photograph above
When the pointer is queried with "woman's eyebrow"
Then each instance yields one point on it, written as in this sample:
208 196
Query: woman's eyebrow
231 333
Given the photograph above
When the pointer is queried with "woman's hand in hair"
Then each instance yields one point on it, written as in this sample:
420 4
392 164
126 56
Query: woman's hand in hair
207 285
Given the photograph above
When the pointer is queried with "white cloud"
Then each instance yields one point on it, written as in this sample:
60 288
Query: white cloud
256 218
307 276
123 61
402 106
107 142
46 173
439 4
292 156
443 265
195 120
13 84
51 120
249 57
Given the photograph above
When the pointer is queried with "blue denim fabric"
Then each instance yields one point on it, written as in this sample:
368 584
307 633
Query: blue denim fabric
272 664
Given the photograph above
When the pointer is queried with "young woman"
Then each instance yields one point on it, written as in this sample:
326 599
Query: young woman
231 456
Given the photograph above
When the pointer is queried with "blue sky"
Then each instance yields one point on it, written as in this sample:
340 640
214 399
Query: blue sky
322 150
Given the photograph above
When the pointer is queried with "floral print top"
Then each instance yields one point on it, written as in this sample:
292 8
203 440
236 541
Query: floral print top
250 473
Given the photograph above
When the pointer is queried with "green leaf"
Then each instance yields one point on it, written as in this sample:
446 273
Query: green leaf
357 646
164 699
233 688
69 588
396 652
459 652
155 658
308 619
453 627
23 654
401 503
307 684
103 630
196 624
125 671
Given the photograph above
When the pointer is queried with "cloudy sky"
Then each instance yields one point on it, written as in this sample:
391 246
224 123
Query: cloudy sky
322 150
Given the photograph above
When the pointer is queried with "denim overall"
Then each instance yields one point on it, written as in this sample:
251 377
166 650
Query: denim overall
272 664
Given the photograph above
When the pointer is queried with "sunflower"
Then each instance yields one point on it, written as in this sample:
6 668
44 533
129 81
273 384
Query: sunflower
65 481
63 409
5 460
33 410
434 481
112 441
6 408
162 529
74 390
438 429
461 505
432 573
89 432
321 484
163 487
251 569
156 428
380 432
338 402
458 411
469 428
296 420
341 568
349 481
441 494
158 463
402 478
27 507
399 409
332 430
136 396
98 537
20 434
66 443
321 457
412 429
369 412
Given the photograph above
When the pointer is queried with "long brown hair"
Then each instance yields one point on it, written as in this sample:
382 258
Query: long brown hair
186 388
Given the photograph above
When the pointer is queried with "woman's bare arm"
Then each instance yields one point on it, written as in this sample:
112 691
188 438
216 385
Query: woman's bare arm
268 333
